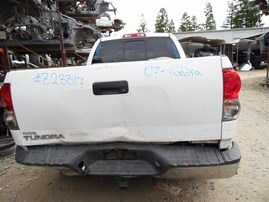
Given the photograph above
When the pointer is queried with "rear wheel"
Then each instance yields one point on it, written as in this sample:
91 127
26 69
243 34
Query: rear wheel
7 147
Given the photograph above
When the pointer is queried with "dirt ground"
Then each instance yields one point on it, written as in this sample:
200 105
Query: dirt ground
23 183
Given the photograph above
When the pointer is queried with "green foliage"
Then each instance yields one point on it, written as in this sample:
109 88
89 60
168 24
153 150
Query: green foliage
143 27
210 23
186 23
189 23
161 21
228 23
171 27
242 14
195 25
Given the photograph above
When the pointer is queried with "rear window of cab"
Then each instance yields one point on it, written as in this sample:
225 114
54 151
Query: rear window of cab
135 49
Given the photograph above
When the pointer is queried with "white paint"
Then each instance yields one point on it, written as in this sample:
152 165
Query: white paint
162 109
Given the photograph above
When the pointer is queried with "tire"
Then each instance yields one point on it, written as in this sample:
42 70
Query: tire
7 147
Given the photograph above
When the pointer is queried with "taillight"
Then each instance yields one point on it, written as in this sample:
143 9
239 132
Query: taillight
6 101
6 97
232 86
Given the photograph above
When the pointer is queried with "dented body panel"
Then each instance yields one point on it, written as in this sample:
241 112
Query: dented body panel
165 102
139 107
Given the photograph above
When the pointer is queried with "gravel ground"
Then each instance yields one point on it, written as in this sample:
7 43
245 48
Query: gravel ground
22 183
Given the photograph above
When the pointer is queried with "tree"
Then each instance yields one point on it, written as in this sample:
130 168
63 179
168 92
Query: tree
228 23
195 25
143 25
186 23
171 27
242 14
210 23
161 21
249 15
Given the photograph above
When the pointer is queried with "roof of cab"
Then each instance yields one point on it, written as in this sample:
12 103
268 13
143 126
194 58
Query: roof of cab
134 35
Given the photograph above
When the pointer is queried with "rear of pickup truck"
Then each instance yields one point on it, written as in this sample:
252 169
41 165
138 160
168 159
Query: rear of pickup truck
172 118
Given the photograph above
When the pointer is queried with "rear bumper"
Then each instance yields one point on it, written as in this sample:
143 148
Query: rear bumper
125 159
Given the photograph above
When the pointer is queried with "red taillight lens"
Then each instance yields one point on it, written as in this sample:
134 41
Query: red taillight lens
9 115
232 84
6 97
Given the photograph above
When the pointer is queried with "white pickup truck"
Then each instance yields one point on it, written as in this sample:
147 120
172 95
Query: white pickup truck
138 108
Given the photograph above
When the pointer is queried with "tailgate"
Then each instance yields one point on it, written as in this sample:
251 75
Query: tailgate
153 101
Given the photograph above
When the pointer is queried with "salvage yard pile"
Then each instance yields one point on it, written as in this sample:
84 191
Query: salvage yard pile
22 183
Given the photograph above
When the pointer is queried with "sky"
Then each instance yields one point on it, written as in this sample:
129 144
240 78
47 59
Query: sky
131 11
